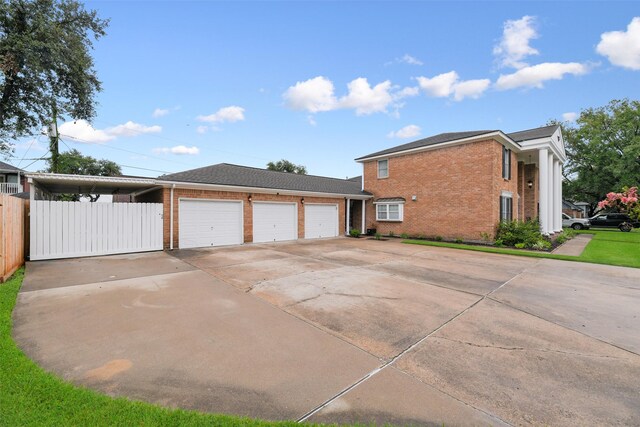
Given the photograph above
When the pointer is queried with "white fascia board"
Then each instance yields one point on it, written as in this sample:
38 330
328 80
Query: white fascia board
399 202
498 136
239 189
536 144
88 179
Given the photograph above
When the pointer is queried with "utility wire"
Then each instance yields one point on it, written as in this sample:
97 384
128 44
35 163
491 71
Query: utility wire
27 152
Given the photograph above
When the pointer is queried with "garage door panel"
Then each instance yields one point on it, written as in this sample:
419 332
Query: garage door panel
205 223
320 221
274 222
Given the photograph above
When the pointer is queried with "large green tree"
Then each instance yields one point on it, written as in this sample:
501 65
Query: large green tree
603 152
46 68
286 166
73 162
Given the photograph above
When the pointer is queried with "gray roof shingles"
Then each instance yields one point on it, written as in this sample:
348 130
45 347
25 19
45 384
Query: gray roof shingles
425 142
6 167
244 176
542 132
524 135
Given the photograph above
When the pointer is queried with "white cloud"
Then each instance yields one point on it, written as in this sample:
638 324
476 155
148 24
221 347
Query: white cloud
470 89
569 117
32 144
410 131
317 94
132 129
407 92
313 95
411 60
439 86
622 48
82 131
514 44
365 99
178 149
447 84
311 120
160 112
229 114
536 75
202 129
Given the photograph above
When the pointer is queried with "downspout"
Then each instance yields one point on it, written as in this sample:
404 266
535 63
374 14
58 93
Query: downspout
171 220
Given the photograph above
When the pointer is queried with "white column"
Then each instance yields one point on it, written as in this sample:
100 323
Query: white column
543 185
551 194
346 221
362 230
557 174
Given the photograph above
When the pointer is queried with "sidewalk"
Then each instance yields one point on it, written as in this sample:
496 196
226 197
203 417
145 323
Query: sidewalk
575 246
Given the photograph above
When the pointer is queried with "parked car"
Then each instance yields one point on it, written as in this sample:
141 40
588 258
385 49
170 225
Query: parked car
575 223
614 220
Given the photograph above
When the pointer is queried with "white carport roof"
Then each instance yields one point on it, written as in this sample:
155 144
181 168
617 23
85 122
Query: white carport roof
62 183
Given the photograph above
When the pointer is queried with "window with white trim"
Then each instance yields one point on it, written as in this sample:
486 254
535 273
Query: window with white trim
506 208
389 212
383 168
506 163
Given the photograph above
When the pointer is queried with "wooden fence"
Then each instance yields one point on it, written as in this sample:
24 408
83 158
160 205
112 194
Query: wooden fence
13 213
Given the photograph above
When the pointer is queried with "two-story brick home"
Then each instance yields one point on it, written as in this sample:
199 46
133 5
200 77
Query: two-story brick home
461 184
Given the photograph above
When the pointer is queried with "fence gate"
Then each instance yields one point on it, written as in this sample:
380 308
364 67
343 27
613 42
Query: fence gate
77 229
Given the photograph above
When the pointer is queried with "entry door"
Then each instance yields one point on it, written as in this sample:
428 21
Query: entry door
320 221
205 223
274 222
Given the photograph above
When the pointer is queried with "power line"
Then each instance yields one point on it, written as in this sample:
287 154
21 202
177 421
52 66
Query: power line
27 152
144 169
79 140
175 141
41 158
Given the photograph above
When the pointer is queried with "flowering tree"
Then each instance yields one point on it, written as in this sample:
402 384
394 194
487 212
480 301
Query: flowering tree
626 202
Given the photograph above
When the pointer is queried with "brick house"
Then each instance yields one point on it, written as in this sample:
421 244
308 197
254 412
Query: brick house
461 184
454 185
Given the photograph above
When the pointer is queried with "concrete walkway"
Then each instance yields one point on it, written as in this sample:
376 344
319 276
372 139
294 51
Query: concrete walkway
575 246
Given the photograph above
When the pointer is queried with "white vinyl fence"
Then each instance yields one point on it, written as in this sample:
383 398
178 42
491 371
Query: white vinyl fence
77 229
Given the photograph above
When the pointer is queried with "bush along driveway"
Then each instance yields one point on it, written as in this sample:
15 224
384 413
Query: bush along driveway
609 247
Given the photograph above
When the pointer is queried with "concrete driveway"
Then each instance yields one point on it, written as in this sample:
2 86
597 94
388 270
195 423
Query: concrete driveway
344 330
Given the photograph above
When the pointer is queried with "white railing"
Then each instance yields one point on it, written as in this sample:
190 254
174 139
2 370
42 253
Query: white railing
10 188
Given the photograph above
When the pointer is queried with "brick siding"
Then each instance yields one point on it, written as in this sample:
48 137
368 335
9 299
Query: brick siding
457 190
247 212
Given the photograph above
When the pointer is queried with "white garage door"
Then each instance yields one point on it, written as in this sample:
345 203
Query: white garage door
274 222
209 223
320 221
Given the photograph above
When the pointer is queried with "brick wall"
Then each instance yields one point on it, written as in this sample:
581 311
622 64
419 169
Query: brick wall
457 190
531 194
247 213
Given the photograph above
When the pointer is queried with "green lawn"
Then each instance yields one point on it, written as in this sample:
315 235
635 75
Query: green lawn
611 247
30 396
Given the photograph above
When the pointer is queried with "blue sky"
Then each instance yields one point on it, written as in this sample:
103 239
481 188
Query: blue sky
189 84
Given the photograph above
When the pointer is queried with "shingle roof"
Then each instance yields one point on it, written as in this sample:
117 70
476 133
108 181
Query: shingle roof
536 133
7 167
244 176
425 142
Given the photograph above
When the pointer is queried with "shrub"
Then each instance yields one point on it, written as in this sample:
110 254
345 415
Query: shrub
421 236
458 240
513 232
404 235
391 234
484 236
377 236
499 243
438 238
541 245
520 245
354 232
570 233
561 239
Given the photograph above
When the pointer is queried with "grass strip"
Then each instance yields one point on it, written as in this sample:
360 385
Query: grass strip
605 248
31 396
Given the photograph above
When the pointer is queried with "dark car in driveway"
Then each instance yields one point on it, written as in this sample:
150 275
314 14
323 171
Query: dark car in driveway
613 220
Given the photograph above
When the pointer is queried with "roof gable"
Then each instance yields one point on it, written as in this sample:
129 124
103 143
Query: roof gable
243 176
429 141
6 167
